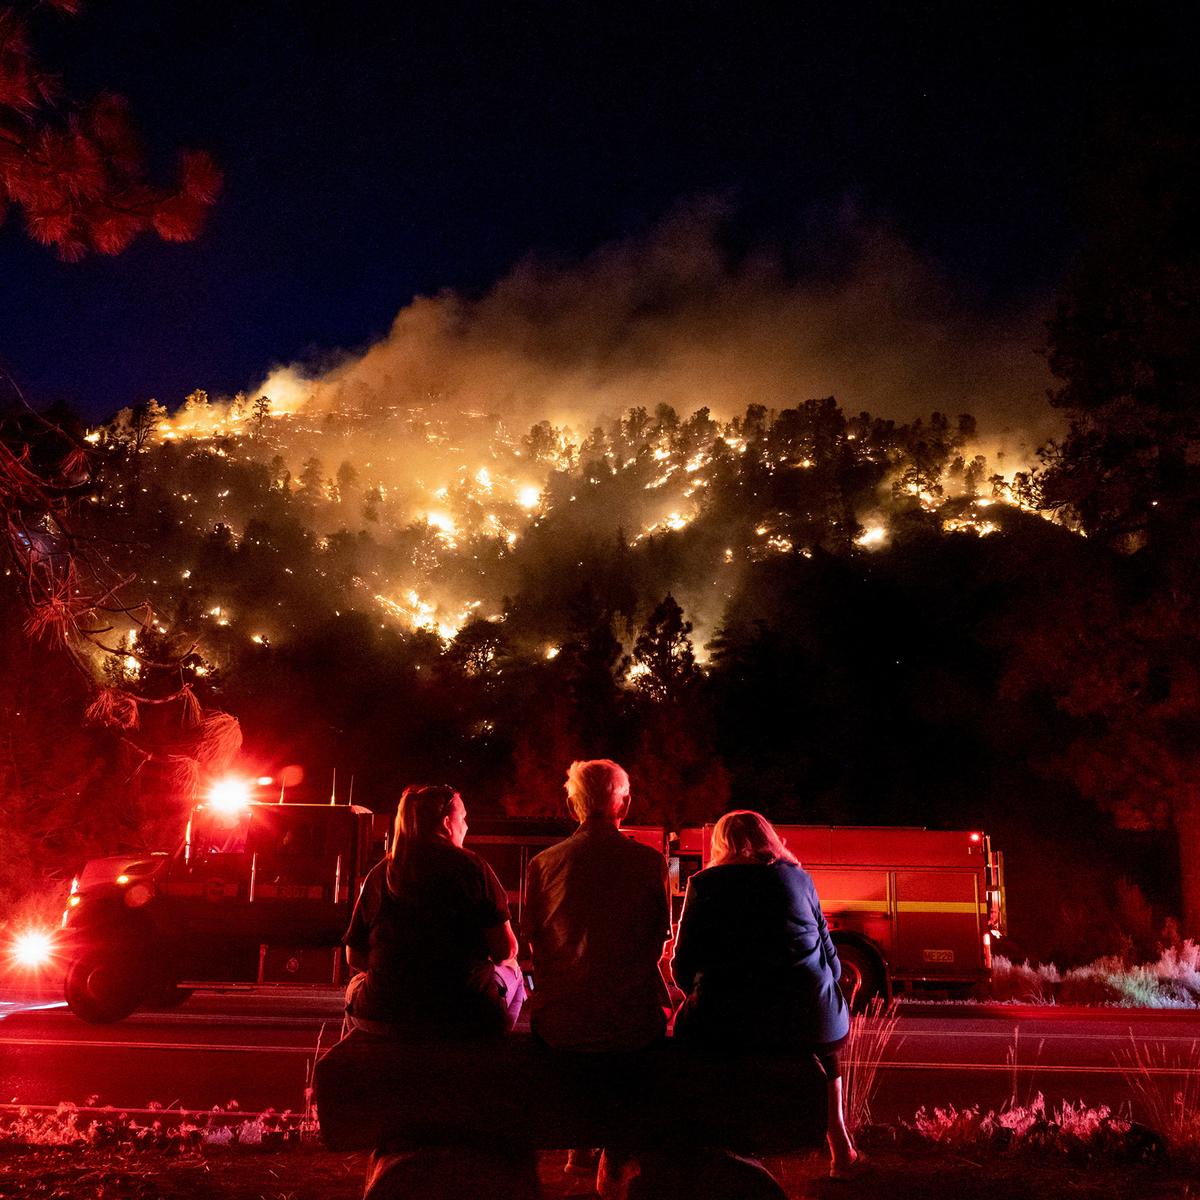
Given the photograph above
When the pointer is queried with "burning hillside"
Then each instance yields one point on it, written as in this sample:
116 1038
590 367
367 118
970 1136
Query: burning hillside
434 523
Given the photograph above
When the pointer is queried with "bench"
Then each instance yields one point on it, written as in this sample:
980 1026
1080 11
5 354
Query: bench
432 1103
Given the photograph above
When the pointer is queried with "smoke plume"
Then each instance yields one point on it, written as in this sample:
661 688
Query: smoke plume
674 317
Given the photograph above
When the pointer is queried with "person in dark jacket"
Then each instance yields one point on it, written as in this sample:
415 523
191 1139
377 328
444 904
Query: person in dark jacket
431 933
756 962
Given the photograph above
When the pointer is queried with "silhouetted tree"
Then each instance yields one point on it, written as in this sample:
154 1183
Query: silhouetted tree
663 663
1125 344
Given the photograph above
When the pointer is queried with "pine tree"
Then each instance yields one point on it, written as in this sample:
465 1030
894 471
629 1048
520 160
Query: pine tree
77 171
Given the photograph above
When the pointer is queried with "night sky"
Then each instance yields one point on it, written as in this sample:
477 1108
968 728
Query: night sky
376 151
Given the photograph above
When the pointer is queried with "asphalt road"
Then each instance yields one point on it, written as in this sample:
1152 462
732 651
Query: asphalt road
256 1049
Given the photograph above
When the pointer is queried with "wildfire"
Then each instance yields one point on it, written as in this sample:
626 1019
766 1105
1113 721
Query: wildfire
444 524
969 525
418 613
428 503
872 537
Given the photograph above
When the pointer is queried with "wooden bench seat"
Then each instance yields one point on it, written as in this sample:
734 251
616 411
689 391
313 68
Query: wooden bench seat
381 1093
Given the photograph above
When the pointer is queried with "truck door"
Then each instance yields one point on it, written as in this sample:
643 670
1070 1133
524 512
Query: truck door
206 888
938 928
858 900
301 861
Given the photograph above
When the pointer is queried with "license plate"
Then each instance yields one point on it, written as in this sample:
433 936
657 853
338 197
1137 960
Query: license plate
293 891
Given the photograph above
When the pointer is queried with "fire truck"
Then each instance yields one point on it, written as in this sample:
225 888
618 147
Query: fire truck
257 894
260 894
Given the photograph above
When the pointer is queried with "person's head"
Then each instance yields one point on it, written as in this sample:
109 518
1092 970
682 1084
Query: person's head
430 813
745 836
598 790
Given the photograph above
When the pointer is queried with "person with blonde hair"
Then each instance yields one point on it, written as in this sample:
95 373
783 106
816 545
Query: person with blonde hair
597 913
430 934
754 957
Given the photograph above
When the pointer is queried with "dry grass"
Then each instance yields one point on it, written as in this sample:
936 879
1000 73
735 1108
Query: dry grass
871 1035
92 1173
1167 1087
931 1172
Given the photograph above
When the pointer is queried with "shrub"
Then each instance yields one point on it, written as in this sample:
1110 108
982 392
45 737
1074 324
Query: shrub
1071 1129
1028 983
1171 982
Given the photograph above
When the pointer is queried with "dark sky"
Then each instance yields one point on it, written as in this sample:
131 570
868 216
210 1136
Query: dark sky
374 151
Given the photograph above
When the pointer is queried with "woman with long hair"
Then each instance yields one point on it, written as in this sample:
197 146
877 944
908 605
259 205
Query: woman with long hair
754 957
431 933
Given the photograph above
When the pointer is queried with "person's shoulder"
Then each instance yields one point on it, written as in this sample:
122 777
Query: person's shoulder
723 875
373 883
641 850
556 853
459 858
645 857
794 873
464 854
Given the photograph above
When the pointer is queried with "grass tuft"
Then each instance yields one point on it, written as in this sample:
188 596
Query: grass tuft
871 1033
1166 1085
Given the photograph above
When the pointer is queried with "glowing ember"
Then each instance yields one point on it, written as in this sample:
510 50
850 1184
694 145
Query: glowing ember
872 537
552 651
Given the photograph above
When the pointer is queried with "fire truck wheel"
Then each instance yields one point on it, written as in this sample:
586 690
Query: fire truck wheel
104 985
862 975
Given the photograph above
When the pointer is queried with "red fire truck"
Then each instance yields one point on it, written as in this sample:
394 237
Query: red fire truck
258 893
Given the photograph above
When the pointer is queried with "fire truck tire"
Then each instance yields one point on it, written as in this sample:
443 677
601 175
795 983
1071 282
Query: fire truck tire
104 985
862 975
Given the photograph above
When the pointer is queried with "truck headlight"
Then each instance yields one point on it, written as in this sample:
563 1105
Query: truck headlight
139 894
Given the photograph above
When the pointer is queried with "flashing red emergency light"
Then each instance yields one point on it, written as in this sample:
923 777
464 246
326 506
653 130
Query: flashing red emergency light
230 795
32 948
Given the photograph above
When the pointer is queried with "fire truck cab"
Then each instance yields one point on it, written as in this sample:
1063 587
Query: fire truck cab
256 894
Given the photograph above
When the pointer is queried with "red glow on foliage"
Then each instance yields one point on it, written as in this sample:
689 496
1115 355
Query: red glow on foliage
80 176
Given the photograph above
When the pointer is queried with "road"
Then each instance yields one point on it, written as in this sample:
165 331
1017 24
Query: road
256 1049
